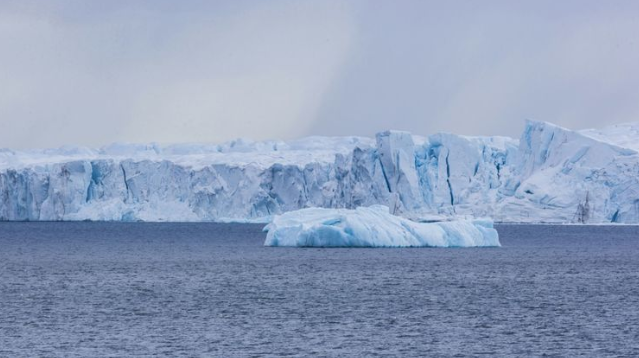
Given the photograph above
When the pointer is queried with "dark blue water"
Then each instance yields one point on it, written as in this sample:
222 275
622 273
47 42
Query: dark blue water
132 289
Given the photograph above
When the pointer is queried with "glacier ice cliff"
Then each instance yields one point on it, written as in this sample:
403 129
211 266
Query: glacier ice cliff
550 174
373 226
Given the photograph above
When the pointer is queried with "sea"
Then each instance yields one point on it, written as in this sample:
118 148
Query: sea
87 289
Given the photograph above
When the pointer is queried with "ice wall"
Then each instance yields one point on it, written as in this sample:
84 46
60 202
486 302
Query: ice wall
551 174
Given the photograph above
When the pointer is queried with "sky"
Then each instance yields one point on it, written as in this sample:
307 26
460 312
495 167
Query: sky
91 73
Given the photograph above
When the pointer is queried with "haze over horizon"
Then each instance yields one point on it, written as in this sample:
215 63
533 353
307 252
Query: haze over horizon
93 73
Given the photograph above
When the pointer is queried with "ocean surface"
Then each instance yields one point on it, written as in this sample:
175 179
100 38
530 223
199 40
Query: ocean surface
212 290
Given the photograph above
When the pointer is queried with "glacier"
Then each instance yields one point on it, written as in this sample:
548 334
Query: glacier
373 226
549 175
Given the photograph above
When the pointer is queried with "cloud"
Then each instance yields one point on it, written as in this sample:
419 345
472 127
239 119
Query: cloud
483 68
91 73
133 73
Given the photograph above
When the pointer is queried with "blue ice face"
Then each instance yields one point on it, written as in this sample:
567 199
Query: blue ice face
545 176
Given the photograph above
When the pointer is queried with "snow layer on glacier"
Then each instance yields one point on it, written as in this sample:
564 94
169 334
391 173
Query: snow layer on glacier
239 152
624 135
373 227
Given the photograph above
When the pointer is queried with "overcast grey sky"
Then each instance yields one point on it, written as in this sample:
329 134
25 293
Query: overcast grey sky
94 72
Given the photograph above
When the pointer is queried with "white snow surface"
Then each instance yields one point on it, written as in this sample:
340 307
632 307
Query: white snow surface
624 135
239 152
549 175
373 226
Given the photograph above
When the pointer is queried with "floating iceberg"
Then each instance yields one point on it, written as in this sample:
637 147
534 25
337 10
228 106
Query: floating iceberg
373 227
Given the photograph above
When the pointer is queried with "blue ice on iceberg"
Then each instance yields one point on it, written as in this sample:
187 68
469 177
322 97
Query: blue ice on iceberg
373 226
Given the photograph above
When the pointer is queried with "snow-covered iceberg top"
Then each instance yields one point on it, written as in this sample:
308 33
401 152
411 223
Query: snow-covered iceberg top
373 226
